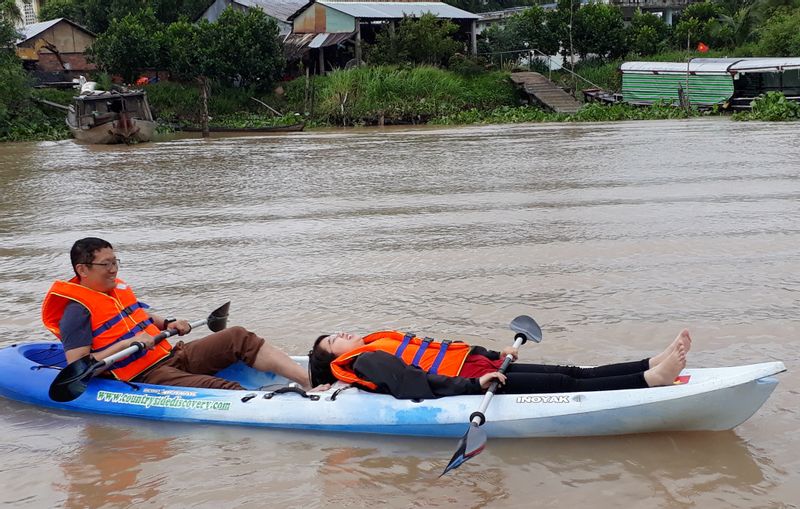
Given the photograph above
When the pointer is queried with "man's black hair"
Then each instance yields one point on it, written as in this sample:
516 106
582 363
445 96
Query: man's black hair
83 250
319 364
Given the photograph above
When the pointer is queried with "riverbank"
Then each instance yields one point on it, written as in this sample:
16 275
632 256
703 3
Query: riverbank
373 96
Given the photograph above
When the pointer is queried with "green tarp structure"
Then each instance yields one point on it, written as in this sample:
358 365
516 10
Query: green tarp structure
705 81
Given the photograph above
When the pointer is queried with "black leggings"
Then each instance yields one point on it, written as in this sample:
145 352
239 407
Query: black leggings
542 378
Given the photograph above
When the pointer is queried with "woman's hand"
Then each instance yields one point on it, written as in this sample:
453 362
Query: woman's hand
487 379
509 350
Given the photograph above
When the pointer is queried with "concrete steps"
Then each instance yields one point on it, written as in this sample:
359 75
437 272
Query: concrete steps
545 92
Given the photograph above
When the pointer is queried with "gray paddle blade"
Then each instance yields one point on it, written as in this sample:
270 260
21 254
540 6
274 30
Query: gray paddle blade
527 326
470 445
218 319
72 381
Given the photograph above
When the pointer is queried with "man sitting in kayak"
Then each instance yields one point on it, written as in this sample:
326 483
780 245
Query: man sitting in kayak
409 367
96 313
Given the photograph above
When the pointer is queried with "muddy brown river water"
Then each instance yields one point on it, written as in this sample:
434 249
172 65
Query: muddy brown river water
613 236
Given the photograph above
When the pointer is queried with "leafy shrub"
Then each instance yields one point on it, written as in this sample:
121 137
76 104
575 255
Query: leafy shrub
367 95
597 112
423 40
648 34
780 35
599 30
772 106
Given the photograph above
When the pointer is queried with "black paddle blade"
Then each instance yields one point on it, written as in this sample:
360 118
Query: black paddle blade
72 381
218 319
470 445
526 325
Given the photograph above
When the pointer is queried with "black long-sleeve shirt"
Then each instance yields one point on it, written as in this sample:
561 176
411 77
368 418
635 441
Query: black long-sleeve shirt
395 377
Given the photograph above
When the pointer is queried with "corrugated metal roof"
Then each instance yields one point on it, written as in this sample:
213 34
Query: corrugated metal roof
766 64
34 29
278 9
295 44
714 65
695 66
397 10
30 31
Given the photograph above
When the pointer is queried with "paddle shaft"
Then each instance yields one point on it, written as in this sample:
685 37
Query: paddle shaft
487 398
111 359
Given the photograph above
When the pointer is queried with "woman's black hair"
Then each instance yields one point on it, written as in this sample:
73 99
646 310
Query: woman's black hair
319 364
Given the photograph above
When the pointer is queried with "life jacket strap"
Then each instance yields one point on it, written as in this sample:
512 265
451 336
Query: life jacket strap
134 331
402 348
138 328
115 320
440 357
422 347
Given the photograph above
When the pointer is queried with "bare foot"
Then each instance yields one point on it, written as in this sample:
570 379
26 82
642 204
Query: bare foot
669 368
683 339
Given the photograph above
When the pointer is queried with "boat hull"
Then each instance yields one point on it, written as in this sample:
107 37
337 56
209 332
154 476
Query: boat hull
111 133
713 399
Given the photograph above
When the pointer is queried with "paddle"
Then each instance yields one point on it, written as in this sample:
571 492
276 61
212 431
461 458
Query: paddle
72 381
474 440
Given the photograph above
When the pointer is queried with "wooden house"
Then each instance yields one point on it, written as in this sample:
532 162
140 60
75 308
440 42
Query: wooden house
57 47
332 24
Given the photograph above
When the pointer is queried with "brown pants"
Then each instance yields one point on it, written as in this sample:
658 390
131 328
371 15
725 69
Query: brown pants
195 363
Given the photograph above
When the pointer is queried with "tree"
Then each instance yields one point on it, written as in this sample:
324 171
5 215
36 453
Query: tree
14 86
245 47
599 29
561 22
423 40
739 27
10 12
129 45
241 47
97 15
698 23
531 29
70 9
648 34
780 35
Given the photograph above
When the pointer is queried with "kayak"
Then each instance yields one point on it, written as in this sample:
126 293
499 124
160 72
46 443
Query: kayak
701 399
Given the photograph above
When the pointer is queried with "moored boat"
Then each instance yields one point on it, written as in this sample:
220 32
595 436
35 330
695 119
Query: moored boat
706 399
102 117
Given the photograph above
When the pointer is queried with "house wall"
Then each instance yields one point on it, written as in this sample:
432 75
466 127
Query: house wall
75 62
63 36
319 19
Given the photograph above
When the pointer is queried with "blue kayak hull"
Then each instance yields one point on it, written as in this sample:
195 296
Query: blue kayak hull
713 399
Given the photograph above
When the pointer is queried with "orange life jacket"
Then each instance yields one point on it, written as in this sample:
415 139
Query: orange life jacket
115 316
438 357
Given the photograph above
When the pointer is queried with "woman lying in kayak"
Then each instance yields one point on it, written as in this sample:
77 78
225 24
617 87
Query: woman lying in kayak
410 367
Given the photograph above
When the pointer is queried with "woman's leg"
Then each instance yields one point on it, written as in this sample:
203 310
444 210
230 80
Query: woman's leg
521 381
619 369
525 383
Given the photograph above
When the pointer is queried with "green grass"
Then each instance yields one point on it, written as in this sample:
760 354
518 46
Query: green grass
365 95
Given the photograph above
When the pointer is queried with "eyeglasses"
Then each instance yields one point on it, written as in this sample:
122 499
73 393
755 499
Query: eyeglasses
107 265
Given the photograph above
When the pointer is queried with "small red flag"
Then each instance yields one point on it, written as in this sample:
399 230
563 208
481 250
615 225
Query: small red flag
702 48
